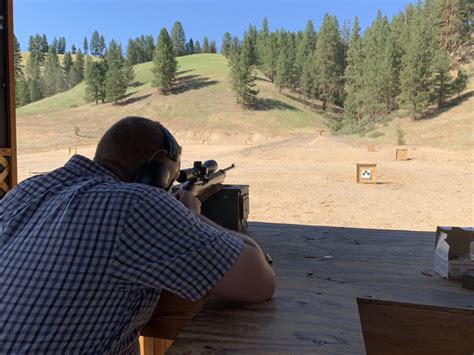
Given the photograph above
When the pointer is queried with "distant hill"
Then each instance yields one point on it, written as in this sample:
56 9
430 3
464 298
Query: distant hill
202 101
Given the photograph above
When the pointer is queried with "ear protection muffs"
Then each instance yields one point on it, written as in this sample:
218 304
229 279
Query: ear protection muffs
154 174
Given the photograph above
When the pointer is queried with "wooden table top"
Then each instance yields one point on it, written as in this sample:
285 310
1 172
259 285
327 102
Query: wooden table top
321 271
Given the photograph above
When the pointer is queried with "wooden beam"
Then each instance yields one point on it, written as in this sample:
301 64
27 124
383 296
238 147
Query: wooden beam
8 151
11 101
405 328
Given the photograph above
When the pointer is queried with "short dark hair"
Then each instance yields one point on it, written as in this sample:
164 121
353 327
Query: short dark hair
129 144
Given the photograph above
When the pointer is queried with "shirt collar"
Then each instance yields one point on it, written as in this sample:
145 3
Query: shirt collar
86 166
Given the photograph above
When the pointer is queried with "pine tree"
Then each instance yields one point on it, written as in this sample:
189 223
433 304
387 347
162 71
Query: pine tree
329 62
61 45
94 44
95 80
212 47
55 44
73 49
225 46
85 46
271 56
197 47
454 20
304 50
234 47
115 84
114 57
374 44
102 46
22 91
149 48
242 75
190 49
44 44
262 42
284 70
132 53
17 60
460 82
164 63
442 86
307 80
128 72
35 88
67 66
250 37
33 70
178 39
354 76
53 75
205 45
77 71
416 74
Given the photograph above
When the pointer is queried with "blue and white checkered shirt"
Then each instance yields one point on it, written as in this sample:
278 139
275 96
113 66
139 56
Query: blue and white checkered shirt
84 257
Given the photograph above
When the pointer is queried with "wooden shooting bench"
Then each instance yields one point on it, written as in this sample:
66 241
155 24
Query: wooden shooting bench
321 271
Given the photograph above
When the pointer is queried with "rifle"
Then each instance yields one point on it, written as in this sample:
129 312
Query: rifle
202 176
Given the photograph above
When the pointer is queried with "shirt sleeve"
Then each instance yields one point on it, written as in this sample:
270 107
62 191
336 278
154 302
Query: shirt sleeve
164 245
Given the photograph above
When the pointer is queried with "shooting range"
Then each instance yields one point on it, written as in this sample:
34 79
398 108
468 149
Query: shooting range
359 269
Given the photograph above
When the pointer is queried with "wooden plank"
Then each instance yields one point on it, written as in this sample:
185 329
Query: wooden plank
317 313
171 316
371 147
401 154
402 328
7 48
153 346
5 152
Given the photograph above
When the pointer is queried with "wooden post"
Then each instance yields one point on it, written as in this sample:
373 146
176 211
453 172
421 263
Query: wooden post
401 154
8 152
366 173
170 317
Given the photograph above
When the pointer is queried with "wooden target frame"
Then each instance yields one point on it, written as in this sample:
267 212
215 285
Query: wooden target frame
8 152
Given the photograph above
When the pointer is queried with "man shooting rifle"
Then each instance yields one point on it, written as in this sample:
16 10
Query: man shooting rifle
87 249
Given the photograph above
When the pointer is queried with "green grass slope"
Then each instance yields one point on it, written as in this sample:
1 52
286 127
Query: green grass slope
202 100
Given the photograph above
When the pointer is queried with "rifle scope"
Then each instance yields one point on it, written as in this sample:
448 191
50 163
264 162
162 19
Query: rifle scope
199 170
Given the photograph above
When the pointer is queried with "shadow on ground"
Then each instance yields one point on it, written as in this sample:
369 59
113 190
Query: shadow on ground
272 104
191 82
454 102
132 100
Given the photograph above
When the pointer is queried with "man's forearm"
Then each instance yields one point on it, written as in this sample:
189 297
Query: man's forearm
246 239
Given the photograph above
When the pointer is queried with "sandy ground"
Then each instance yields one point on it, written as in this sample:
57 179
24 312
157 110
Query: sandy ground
311 180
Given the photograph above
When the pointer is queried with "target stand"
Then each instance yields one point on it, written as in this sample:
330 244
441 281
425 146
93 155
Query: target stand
366 173
401 154
371 147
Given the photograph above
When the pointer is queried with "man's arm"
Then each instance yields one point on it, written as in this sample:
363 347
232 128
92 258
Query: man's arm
250 278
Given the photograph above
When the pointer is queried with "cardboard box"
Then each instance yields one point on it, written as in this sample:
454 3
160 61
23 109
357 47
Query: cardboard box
366 173
401 154
452 258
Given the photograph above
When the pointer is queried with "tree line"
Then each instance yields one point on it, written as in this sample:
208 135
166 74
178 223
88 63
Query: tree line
106 70
405 62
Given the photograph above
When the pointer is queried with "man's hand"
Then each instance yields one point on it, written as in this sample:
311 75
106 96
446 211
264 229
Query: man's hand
204 195
189 201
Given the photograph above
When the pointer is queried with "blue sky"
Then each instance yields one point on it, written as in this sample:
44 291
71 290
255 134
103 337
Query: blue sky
123 19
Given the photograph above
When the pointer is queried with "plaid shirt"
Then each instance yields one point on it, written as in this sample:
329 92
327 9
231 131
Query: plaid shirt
84 257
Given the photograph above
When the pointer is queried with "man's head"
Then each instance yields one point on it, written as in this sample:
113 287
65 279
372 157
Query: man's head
133 142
